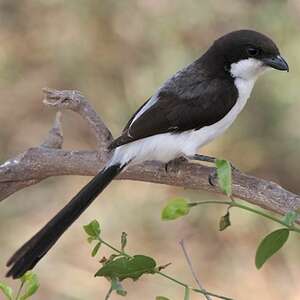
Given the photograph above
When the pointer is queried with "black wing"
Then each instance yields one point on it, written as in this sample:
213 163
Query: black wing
211 100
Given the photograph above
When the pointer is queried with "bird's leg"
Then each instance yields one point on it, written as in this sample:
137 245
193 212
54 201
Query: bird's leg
174 163
213 175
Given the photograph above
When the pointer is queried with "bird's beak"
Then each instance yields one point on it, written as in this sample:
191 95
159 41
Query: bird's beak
276 62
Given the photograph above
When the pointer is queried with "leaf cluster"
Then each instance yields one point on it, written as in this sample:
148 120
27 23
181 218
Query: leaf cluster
273 242
28 286
120 266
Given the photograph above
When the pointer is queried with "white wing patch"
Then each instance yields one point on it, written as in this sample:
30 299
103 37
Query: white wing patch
150 103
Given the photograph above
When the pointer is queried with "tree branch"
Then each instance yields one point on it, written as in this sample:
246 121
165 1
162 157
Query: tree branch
49 159
189 262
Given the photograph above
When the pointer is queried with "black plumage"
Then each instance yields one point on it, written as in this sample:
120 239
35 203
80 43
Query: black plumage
33 250
175 114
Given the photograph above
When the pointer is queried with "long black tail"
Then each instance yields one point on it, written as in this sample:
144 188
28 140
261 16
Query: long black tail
33 250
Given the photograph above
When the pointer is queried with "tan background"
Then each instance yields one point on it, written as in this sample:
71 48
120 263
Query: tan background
117 53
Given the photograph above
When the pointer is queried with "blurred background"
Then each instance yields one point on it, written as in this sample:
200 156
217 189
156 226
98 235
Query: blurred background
117 53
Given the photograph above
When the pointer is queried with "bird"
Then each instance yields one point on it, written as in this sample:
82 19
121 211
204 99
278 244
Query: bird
190 109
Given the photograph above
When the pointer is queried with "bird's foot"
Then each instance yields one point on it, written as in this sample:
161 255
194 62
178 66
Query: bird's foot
213 176
174 164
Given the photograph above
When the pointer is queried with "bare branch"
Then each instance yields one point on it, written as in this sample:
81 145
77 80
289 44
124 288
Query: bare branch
189 262
55 137
38 163
73 100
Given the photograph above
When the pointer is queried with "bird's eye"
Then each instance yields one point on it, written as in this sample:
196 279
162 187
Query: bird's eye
252 51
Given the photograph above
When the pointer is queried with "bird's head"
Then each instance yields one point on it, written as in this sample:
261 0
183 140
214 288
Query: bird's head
247 54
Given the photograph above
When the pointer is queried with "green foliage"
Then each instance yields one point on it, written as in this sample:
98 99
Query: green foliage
175 208
128 267
93 229
29 286
224 222
7 291
179 207
270 245
120 266
224 176
96 249
117 287
290 218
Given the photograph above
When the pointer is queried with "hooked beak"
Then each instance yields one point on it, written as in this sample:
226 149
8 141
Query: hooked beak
276 62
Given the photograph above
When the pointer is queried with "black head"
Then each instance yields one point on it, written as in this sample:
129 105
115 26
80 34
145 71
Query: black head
249 45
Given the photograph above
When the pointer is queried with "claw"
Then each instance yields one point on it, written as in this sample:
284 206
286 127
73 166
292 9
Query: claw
174 164
212 177
166 166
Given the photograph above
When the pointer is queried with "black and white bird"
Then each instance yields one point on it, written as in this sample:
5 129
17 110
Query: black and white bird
189 110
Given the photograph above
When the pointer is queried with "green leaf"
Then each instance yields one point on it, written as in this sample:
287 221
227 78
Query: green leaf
93 229
112 257
123 241
224 175
90 239
96 249
224 222
31 285
270 245
161 298
6 290
117 286
290 218
127 267
175 208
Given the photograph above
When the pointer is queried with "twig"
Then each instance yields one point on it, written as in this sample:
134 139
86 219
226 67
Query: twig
234 203
189 262
19 290
200 290
41 162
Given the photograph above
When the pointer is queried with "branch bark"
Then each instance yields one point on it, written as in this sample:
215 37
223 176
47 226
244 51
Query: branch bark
49 159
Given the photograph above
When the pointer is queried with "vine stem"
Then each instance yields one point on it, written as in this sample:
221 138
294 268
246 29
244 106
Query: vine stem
19 290
191 288
108 294
233 203
204 292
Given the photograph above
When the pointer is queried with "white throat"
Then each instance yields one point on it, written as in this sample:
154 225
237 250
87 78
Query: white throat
245 72
247 69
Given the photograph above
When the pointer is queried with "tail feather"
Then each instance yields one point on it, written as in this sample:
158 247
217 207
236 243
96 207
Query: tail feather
32 251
